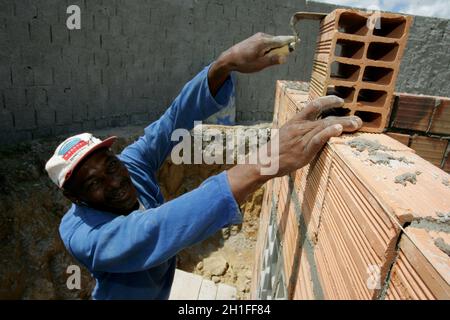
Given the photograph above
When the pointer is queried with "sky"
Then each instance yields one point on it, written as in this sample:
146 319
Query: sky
429 8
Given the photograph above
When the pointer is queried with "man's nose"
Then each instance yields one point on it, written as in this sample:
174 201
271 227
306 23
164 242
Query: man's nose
114 182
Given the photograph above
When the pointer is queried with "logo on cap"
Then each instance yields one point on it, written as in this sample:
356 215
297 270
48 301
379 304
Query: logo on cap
71 147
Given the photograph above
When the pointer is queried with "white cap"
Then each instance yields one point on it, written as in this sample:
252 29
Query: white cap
69 154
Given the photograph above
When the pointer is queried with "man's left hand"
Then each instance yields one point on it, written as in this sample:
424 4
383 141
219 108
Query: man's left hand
251 55
254 54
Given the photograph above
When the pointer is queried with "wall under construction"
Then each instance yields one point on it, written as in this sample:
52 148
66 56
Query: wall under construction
367 219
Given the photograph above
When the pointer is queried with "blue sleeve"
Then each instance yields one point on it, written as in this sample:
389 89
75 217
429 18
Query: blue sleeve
194 103
145 239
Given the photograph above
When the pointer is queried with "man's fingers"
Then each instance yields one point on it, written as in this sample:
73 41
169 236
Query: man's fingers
349 124
315 107
318 141
270 43
279 41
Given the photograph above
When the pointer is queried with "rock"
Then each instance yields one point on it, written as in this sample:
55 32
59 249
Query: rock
215 279
235 230
225 233
200 265
216 266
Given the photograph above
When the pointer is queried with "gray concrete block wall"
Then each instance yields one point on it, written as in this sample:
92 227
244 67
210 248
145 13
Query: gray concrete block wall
132 57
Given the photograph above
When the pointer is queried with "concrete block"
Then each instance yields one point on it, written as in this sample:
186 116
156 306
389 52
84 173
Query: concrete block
22 75
45 117
62 74
64 115
24 118
31 55
43 75
14 98
6 120
79 74
18 33
77 38
25 10
5 76
43 132
8 137
39 31
36 96
59 34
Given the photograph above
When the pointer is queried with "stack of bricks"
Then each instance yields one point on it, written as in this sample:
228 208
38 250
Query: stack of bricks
423 123
358 58
367 219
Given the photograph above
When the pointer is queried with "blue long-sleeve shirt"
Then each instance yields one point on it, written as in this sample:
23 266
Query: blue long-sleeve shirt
133 256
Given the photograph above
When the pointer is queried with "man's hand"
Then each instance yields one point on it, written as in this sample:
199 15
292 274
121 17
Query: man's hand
251 55
300 139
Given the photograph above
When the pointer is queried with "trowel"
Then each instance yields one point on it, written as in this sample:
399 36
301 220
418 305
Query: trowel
296 17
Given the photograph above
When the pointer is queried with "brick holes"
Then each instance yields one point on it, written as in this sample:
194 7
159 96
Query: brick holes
345 93
344 71
370 119
353 23
390 27
382 51
378 75
349 49
374 98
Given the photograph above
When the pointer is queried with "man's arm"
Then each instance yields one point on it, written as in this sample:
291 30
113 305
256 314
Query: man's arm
299 140
203 96
194 103
142 240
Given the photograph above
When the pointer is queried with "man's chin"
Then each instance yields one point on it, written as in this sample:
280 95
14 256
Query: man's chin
130 205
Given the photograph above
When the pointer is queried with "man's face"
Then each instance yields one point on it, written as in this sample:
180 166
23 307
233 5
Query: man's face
102 182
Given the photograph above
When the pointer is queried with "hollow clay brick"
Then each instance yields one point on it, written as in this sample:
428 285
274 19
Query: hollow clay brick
441 118
413 112
431 149
400 137
360 63
422 269
345 211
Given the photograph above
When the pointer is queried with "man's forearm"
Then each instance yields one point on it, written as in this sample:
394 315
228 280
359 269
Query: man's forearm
244 179
218 73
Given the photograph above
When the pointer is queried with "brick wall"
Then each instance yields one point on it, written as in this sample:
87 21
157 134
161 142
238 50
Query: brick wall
349 227
131 58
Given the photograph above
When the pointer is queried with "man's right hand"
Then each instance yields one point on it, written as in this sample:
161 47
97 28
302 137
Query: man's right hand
300 139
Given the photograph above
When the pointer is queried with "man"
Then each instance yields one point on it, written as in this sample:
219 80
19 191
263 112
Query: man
119 227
